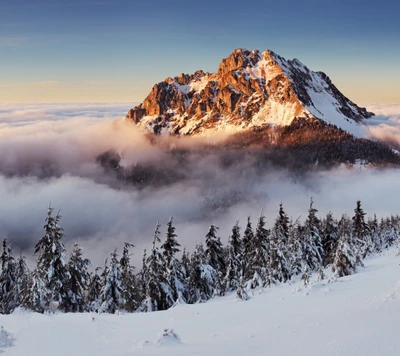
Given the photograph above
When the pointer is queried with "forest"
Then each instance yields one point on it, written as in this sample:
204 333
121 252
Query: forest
254 258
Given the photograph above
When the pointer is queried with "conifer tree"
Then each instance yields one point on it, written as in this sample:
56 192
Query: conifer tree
173 273
248 241
185 264
51 266
111 293
376 236
38 293
201 277
93 299
158 294
214 254
278 261
78 281
259 261
345 259
329 239
312 241
295 248
23 281
361 233
8 298
128 279
234 263
143 278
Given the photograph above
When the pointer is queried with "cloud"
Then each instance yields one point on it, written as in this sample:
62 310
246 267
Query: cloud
49 154
385 125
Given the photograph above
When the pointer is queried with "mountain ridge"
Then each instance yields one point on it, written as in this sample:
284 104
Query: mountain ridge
250 89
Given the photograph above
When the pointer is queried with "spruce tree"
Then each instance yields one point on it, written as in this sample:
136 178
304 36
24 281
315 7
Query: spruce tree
233 276
248 242
329 239
128 279
79 280
201 277
279 253
111 293
295 253
376 236
312 241
51 266
214 254
345 259
257 271
8 298
158 293
23 282
93 298
361 233
173 273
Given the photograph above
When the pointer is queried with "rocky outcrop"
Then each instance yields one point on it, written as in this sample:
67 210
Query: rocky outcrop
250 89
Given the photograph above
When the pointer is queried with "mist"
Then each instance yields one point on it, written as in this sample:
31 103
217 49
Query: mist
48 154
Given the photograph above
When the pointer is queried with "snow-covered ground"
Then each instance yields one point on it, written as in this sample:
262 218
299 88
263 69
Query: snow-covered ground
356 315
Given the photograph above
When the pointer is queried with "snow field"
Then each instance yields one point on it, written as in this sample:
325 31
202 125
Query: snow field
355 315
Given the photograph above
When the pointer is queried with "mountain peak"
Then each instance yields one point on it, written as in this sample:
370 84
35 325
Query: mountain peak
250 89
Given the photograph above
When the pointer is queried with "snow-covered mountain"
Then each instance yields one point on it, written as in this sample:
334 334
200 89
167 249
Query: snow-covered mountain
250 89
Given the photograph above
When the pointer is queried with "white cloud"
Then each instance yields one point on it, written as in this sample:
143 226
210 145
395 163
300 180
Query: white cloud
101 215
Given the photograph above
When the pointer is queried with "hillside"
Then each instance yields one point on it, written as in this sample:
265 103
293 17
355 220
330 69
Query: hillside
355 315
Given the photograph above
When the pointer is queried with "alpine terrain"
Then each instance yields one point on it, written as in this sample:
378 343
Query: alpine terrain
261 100
250 89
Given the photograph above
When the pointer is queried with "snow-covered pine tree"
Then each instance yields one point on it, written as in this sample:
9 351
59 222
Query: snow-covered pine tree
8 298
295 248
248 237
79 280
158 294
312 241
111 293
390 234
23 281
173 273
361 234
128 279
38 293
257 271
93 298
376 236
345 259
201 277
51 266
278 251
329 239
214 254
234 264
142 279
185 264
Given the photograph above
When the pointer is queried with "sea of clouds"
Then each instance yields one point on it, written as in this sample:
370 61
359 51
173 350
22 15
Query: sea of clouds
48 154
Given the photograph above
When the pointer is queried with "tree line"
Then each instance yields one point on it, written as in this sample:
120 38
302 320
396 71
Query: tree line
256 257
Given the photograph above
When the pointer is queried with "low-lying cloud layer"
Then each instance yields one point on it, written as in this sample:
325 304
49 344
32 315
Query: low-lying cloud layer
48 153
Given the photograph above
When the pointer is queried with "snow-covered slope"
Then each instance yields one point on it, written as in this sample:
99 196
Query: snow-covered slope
250 89
356 315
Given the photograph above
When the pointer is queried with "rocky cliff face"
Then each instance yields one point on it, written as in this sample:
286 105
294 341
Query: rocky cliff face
250 89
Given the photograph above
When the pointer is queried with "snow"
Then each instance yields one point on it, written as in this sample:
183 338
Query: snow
355 315
325 107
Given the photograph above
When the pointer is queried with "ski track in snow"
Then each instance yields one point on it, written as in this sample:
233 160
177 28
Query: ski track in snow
355 315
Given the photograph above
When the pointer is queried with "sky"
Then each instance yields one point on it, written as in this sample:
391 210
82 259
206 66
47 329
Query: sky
116 50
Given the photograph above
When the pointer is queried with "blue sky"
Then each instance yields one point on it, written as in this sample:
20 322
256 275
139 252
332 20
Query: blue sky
103 50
